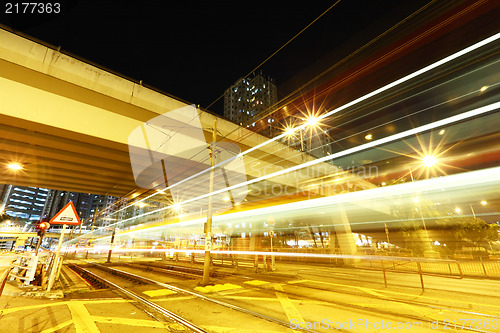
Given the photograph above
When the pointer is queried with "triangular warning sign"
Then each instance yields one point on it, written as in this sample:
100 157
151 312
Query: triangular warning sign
67 215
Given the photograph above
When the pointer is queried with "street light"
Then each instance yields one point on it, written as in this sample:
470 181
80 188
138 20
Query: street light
429 161
15 166
311 121
289 131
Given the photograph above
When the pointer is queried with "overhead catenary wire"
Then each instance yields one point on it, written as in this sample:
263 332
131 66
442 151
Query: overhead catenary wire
281 48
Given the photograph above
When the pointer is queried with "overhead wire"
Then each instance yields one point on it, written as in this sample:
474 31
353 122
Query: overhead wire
281 48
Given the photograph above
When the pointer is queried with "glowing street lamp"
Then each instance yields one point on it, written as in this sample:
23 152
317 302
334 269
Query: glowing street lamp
429 161
289 131
312 121
15 166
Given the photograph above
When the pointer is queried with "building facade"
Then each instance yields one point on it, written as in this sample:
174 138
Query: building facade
23 203
249 97
33 203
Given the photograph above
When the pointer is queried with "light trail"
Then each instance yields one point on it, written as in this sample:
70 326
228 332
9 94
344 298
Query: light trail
336 110
264 253
395 137
451 183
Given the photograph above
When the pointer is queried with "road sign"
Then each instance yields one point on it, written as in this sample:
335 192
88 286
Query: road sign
67 215
271 233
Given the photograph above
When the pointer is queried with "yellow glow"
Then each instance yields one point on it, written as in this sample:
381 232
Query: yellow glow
458 210
483 88
226 199
368 137
311 121
289 131
441 132
176 207
15 166
484 202
141 204
429 161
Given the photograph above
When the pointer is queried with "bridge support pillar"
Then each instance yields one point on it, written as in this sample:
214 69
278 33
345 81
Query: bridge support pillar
344 235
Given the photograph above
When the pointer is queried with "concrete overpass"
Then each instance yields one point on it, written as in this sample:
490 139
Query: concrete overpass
67 121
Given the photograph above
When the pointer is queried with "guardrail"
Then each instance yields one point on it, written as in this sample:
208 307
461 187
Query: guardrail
407 265
24 268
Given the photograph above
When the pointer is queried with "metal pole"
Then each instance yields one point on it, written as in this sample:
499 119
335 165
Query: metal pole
421 275
91 232
111 246
208 225
40 238
272 255
54 270
383 270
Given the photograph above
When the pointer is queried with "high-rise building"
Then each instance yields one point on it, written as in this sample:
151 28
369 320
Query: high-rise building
248 97
104 205
33 203
57 199
23 203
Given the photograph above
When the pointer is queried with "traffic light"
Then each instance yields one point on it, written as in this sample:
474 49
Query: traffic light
42 227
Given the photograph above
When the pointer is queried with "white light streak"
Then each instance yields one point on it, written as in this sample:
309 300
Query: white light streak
343 107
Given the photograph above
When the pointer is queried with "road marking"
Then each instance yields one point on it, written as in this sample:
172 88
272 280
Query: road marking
217 287
235 291
158 292
58 327
81 318
30 307
290 310
256 282
370 290
272 299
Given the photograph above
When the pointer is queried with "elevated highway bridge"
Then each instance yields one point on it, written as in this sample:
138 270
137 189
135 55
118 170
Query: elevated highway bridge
67 122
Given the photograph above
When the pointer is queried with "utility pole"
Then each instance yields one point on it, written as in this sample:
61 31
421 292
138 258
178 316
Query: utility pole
111 246
208 224
91 232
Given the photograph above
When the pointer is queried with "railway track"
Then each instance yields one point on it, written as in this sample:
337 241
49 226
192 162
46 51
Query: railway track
308 292
155 308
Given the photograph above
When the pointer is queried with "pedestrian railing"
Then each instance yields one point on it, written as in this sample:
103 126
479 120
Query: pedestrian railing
408 265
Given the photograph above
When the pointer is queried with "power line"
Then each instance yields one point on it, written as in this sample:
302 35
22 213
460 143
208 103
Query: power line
279 49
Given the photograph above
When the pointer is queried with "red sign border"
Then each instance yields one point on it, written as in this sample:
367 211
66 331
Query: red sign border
63 209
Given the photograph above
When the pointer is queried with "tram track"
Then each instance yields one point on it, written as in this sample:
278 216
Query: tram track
304 292
159 309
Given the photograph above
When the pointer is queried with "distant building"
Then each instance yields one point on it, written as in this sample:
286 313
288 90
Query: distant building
85 203
23 203
33 203
57 199
103 204
249 97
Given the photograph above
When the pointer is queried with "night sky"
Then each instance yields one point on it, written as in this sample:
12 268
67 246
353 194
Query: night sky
195 50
